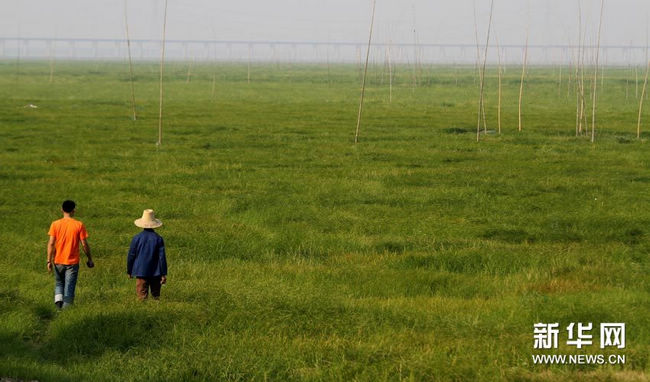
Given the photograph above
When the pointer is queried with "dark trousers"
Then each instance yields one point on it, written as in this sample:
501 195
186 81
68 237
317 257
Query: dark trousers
144 284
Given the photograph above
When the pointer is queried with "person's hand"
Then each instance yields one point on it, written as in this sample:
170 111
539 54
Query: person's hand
90 264
163 280
49 267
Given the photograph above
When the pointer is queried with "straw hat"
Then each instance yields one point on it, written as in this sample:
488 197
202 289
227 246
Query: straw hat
148 220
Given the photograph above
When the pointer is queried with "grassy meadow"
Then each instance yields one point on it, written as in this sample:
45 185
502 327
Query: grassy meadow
417 254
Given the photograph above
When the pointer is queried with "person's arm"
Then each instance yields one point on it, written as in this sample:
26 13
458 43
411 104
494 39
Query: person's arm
51 251
130 258
86 247
162 261
83 236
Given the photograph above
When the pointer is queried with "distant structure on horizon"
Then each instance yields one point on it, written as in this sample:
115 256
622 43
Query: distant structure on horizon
302 51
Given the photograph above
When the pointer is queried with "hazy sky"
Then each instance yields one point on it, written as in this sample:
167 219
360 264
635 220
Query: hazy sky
435 21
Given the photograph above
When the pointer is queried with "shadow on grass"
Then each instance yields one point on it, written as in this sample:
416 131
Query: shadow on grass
513 236
85 336
457 130
75 336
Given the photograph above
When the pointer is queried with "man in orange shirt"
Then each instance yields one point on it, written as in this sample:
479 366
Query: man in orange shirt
63 253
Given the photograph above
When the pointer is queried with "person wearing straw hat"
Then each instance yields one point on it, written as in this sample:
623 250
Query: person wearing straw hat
146 259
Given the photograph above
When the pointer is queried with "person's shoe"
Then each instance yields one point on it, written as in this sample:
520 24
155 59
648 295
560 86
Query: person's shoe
59 304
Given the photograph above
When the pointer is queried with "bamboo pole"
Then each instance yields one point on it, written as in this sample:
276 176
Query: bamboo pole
214 69
569 67
593 104
477 64
365 73
381 74
646 47
329 78
390 74
578 87
189 71
250 53
523 76
162 69
19 46
499 91
627 86
577 72
583 99
481 109
584 122
559 84
128 46
636 81
647 43
478 49
214 85
52 54
645 84
416 56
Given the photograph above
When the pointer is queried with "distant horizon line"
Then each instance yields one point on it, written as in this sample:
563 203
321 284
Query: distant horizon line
239 61
314 43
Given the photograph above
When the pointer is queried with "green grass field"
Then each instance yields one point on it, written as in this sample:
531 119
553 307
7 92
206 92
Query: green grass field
418 254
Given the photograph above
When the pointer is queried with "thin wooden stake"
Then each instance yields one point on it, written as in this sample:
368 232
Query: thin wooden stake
128 45
162 69
499 91
214 83
390 75
477 65
645 84
583 106
189 71
250 53
636 81
578 72
583 99
647 43
329 78
627 87
523 76
416 64
52 54
559 84
477 69
569 66
481 110
593 105
18 44
365 73
214 72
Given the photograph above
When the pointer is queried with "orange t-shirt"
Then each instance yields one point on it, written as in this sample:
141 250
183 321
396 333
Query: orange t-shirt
67 232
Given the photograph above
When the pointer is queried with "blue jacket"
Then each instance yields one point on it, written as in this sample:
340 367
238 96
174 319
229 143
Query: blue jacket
146 256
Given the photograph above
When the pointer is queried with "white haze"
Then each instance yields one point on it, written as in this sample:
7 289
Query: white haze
550 22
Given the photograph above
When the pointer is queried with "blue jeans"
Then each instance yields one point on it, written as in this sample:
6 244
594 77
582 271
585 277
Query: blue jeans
66 281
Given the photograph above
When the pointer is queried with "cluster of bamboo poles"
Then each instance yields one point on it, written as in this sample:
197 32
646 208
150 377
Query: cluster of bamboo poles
162 69
581 103
579 74
582 125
